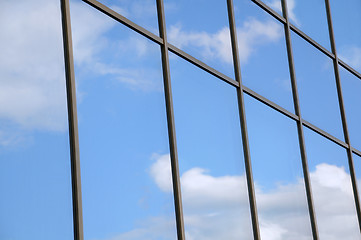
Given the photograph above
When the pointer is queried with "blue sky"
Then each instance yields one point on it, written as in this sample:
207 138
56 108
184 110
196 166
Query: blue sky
126 180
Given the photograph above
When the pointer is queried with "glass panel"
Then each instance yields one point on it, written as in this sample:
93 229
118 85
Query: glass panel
213 182
263 54
201 29
331 188
35 182
357 167
317 87
277 173
141 12
346 20
351 89
310 16
126 178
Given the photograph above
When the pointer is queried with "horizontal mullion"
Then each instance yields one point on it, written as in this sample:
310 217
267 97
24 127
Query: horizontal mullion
202 65
118 17
270 103
355 151
325 134
311 41
270 11
349 68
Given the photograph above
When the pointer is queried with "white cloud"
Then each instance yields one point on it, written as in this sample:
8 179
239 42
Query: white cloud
251 34
32 87
214 206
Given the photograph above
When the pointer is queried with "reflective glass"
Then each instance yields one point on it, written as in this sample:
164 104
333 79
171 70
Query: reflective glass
214 191
357 167
35 182
310 16
346 20
126 178
263 54
351 91
141 12
201 29
277 173
316 87
331 188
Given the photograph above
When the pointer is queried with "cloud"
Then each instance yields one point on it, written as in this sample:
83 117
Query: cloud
251 34
32 82
217 207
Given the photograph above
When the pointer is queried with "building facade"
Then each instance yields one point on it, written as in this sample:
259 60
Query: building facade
166 119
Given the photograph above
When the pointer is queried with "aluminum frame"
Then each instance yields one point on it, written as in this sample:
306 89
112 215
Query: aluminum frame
241 90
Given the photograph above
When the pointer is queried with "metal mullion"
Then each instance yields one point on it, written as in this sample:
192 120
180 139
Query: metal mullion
301 138
356 151
171 123
324 134
343 113
201 65
349 68
72 122
311 41
269 10
116 16
269 103
242 115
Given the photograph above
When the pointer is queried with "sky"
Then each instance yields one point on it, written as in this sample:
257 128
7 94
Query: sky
125 163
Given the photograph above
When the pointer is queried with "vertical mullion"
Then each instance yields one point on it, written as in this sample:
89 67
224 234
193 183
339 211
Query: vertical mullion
342 111
301 138
170 122
242 115
72 121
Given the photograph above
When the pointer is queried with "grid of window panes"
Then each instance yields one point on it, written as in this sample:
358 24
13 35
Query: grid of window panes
232 119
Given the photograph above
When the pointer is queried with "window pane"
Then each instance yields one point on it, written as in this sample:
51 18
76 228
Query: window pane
35 182
317 87
200 28
141 12
357 167
351 90
346 19
277 173
213 182
310 16
331 188
263 54
126 179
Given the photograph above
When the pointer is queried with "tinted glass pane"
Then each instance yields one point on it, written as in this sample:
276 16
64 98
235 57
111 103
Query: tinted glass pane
346 19
277 173
331 188
351 89
263 55
35 183
357 167
317 87
127 188
310 16
141 12
200 28
214 191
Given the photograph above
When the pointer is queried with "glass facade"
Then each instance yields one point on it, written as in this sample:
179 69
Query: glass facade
188 120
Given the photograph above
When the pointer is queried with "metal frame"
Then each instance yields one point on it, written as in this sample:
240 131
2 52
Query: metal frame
72 122
241 90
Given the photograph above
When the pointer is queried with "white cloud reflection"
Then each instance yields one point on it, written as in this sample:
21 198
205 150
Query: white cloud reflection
214 206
